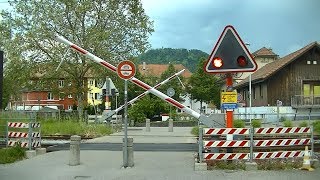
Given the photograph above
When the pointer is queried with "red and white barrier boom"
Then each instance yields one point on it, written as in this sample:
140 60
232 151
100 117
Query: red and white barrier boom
112 112
133 79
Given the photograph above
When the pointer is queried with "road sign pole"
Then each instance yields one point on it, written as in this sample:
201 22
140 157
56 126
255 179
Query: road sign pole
125 148
229 112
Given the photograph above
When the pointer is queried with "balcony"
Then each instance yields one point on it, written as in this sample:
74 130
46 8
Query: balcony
300 101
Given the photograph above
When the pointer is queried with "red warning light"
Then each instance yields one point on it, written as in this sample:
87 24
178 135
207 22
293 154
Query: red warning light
217 62
242 61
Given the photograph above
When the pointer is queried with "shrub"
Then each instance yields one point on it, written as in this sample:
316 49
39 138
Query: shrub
238 123
218 164
12 154
287 123
316 126
195 131
256 123
303 124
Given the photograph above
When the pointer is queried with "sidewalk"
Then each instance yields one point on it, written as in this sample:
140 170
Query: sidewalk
107 165
156 135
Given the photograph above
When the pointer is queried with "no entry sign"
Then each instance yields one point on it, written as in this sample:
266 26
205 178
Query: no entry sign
126 69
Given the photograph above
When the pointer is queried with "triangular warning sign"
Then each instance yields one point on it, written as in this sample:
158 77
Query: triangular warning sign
230 54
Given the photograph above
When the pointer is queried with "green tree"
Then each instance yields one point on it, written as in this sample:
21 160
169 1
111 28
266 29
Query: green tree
174 83
204 87
111 29
189 58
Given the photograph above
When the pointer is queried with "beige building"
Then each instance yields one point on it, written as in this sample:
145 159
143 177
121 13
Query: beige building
262 57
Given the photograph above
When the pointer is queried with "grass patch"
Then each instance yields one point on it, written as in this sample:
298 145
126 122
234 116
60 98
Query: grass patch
52 127
287 123
231 165
195 131
279 164
11 154
238 123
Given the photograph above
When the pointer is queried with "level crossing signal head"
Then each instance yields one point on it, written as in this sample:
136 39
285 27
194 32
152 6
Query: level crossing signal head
230 55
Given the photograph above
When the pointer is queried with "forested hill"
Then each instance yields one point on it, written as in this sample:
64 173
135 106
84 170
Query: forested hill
189 58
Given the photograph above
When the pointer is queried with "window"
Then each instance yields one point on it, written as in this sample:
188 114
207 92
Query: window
91 82
308 62
50 96
96 95
61 96
244 95
61 83
306 89
91 95
69 96
261 91
69 107
254 92
315 62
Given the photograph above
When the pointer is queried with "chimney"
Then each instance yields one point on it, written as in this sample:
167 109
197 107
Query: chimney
144 66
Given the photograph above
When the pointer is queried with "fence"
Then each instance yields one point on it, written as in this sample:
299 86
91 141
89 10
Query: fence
18 127
254 143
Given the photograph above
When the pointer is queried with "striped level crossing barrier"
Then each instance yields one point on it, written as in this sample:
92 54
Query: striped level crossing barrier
23 134
225 156
23 125
281 142
233 143
24 144
282 130
223 131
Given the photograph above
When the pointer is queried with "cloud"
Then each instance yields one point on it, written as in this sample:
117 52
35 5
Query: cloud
198 24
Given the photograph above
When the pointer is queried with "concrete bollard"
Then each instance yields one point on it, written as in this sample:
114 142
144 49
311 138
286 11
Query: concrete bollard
30 154
40 151
132 123
74 156
129 152
147 125
170 125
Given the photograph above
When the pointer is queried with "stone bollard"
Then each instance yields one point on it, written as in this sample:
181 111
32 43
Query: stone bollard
129 152
40 151
147 125
170 125
30 154
74 156
132 123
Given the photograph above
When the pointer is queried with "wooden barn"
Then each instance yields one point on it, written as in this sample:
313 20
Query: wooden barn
293 79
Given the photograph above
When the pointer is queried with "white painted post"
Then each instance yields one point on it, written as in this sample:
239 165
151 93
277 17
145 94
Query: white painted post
147 125
170 125
74 156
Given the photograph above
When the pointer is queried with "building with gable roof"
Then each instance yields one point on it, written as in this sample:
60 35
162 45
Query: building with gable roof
293 79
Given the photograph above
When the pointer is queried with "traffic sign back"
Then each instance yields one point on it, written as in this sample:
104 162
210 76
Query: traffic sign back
230 54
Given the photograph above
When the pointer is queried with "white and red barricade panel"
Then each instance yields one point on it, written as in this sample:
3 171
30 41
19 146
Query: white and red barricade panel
225 156
233 143
224 131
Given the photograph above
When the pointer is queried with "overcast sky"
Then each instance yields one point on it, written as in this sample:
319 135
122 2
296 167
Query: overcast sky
283 25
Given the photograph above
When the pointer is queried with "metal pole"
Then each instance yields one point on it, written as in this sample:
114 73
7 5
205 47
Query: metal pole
30 135
200 144
7 134
250 101
278 113
125 149
116 107
312 142
251 143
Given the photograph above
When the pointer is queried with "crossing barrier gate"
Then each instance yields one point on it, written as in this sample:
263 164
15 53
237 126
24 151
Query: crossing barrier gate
253 143
30 139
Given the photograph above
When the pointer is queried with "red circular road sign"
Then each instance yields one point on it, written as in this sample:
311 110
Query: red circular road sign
126 69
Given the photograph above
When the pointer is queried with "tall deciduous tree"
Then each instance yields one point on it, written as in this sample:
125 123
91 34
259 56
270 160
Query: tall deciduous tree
204 87
112 29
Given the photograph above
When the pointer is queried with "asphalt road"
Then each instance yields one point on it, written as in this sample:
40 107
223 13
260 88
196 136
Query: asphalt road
172 147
